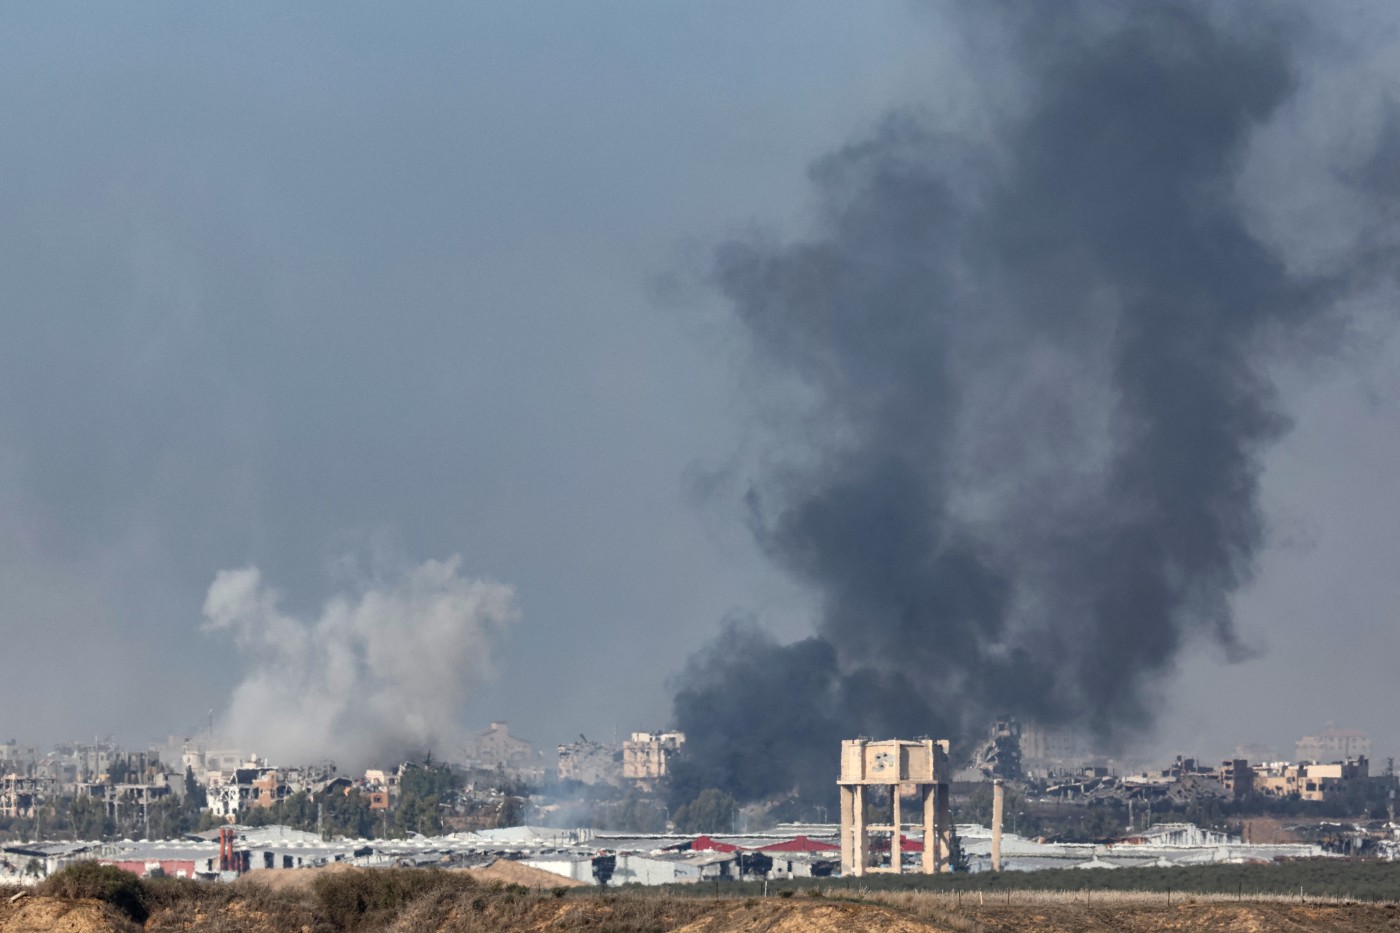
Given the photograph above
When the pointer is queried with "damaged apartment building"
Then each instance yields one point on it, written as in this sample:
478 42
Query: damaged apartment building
21 794
643 761
495 749
258 784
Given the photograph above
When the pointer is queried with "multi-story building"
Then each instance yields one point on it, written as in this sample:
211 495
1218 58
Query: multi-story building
1333 744
1051 750
646 756
1309 779
130 802
20 795
494 747
590 762
1236 778
17 759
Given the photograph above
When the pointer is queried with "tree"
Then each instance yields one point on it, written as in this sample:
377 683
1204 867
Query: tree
711 811
347 814
957 858
429 780
511 811
196 797
89 818
639 814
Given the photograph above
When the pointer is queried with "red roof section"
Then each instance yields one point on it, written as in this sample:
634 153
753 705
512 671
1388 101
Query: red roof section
905 844
706 844
800 844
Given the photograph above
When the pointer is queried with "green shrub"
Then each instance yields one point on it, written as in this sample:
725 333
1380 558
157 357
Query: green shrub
350 899
107 883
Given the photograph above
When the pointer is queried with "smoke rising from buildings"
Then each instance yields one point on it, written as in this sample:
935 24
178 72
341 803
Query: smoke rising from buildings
381 673
1023 383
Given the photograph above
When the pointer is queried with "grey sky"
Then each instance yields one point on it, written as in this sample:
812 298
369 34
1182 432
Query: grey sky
337 291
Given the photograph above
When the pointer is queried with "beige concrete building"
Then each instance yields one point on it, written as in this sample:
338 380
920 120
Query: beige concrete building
590 762
494 747
1333 744
646 756
1309 779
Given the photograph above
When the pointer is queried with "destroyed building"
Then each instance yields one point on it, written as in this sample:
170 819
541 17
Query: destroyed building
125 802
494 748
646 756
20 794
998 756
590 762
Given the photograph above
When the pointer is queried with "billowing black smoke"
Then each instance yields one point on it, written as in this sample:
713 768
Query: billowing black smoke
1024 472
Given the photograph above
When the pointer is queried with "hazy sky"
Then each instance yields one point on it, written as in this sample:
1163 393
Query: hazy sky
337 291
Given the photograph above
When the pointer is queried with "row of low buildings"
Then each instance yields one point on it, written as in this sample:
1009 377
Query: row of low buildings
792 851
125 782
128 783
1042 752
1309 780
1234 779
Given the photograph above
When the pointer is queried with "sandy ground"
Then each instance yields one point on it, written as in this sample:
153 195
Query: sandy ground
511 872
502 870
44 914
1188 918
1084 912
802 915
768 916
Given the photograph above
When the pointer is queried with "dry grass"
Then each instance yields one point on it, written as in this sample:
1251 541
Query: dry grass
1132 911
402 900
956 900
39 913
510 872
502 910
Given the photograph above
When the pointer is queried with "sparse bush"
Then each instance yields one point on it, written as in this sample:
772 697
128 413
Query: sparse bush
106 883
352 898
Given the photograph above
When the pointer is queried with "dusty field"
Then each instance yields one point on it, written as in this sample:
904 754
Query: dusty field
768 916
1078 912
509 872
624 913
36 914
503 870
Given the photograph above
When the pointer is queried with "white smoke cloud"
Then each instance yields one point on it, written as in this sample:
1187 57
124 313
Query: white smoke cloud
380 673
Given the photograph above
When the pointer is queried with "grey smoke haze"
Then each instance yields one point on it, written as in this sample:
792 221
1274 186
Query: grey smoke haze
382 673
281 283
1027 383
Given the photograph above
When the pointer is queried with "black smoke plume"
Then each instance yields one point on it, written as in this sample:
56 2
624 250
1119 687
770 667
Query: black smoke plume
1032 370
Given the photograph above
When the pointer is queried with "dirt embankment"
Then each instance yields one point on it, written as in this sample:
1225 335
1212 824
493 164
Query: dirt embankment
1137 912
504 871
45 914
769 916
1187 918
478 911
